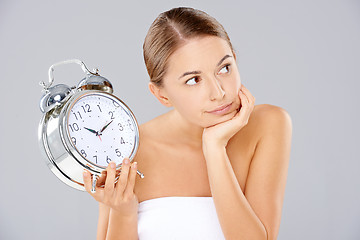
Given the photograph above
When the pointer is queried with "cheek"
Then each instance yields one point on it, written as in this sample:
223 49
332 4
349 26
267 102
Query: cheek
233 87
186 105
236 84
235 79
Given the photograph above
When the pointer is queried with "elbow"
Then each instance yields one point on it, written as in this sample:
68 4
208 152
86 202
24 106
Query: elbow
265 234
269 236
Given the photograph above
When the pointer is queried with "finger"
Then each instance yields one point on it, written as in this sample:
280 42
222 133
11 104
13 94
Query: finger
244 107
101 180
123 179
88 185
248 94
110 179
87 181
251 100
131 181
246 99
243 99
248 105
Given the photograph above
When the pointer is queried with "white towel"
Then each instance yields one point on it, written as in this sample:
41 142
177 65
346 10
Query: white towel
173 218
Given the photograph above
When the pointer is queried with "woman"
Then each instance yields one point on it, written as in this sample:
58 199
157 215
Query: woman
215 165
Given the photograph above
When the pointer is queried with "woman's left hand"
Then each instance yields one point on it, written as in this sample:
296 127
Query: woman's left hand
221 133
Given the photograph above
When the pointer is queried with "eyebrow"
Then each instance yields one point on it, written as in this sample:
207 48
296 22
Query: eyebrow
198 72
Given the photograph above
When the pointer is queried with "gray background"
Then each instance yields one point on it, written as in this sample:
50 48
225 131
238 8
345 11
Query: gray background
300 55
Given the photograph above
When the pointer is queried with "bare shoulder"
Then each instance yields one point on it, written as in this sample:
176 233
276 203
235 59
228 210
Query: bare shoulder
270 117
264 119
155 125
270 110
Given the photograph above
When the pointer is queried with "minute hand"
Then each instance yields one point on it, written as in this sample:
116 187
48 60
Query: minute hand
105 127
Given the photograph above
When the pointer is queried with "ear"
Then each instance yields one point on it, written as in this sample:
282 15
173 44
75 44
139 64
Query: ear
160 94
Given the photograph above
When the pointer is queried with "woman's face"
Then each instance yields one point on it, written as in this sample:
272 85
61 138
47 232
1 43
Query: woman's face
202 76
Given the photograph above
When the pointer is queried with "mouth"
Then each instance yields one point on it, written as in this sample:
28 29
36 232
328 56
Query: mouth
221 109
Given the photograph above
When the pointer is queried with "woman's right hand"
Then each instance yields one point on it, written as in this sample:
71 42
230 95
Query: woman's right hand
118 196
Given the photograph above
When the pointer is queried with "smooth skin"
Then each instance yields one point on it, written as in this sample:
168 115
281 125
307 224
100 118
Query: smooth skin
117 199
239 158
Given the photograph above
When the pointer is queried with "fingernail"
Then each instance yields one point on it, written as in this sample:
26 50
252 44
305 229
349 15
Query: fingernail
126 161
112 165
84 173
134 164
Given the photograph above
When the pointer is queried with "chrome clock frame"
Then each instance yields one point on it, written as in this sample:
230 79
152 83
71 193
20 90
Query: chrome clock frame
56 146
64 160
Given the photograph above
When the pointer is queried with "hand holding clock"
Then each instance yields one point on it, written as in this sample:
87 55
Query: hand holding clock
118 196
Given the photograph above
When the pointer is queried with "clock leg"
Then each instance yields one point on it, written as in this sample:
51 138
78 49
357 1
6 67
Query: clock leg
140 174
94 179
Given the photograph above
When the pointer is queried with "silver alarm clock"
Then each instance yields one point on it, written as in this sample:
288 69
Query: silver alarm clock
85 127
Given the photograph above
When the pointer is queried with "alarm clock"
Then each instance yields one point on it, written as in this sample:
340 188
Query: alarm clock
85 127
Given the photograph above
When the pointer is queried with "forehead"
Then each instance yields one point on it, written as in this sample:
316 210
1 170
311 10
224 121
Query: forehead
198 53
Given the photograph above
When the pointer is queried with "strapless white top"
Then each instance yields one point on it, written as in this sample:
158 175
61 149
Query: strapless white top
185 218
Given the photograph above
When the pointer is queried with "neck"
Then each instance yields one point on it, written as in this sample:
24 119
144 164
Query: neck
187 132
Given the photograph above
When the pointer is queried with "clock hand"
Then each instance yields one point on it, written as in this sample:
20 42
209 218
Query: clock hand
93 131
105 127
100 132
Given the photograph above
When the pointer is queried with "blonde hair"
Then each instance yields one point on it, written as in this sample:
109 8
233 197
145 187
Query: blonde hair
169 31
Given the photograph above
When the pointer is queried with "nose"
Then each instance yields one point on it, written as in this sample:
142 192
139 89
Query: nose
216 91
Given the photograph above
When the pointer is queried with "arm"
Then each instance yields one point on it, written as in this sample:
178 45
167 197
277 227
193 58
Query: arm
121 227
266 181
254 213
111 225
104 213
237 219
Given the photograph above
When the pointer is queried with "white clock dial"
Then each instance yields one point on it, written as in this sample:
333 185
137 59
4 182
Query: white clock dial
101 129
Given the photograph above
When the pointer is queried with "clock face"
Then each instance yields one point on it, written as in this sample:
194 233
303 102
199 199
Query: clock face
101 128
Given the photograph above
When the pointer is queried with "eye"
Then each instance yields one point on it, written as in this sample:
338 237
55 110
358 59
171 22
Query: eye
226 67
192 81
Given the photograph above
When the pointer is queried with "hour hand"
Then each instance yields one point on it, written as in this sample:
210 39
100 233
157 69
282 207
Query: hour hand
93 131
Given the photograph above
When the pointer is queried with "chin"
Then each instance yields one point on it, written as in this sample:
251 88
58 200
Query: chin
221 119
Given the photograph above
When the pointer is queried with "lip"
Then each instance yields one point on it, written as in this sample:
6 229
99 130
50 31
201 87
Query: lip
222 109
